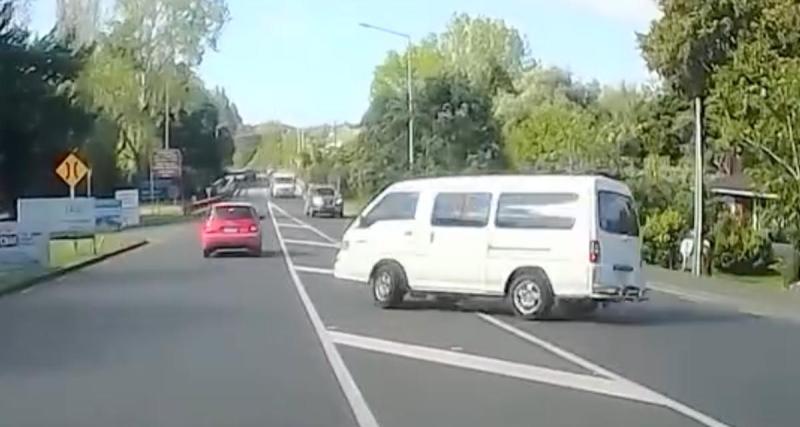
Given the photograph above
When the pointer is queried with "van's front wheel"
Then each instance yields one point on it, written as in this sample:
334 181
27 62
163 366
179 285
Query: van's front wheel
530 296
388 283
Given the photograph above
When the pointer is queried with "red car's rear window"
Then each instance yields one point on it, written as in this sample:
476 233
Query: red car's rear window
233 212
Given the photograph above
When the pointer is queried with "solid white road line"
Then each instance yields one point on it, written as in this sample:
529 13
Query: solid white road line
314 270
285 225
358 404
315 230
26 290
311 243
286 215
588 383
655 397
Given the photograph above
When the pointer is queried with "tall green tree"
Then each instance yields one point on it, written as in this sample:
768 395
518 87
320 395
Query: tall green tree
40 116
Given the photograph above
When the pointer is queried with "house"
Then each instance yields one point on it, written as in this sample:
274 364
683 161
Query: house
738 192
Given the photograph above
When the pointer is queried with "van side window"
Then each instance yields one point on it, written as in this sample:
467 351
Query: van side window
535 210
461 209
393 207
616 214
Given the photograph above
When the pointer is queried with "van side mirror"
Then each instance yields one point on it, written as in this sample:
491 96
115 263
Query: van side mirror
362 222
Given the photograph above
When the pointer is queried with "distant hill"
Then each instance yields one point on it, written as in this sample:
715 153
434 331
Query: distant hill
262 145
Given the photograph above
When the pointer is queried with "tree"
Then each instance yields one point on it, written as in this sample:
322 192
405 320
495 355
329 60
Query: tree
40 117
554 135
693 38
755 108
488 52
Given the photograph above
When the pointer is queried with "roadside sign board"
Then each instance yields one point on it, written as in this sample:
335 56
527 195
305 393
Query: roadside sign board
20 246
167 163
108 214
57 215
129 205
72 170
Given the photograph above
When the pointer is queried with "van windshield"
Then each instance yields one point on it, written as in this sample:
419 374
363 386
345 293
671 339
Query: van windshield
617 214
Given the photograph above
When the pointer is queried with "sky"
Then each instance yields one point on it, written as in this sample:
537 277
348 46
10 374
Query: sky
308 62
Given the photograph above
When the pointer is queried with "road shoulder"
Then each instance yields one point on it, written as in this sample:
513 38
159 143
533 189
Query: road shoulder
783 305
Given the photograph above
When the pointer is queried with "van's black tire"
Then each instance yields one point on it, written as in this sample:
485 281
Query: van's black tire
392 295
530 281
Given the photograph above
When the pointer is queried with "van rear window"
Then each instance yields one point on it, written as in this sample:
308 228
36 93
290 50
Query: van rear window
617 213
535 210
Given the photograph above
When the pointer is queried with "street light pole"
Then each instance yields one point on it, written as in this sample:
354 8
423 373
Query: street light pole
409 89
410 108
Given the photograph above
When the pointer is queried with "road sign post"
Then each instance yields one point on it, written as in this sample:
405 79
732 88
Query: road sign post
72 170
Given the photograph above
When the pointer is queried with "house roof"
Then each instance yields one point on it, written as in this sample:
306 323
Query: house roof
739 185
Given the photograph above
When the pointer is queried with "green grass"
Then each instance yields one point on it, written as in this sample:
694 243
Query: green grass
352 207
152 215
769 281
160 210
65 252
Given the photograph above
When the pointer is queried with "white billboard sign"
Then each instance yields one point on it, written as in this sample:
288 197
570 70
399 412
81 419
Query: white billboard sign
20 247
108 214
57 215
130 206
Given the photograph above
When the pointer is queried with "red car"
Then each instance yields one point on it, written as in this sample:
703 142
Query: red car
232 227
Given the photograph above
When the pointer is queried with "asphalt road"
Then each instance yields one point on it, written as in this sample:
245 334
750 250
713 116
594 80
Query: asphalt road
163 337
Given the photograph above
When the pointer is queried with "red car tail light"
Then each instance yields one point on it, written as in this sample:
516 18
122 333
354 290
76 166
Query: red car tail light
253 228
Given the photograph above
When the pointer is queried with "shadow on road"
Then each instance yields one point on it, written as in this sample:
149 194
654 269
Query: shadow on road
232 254
623 315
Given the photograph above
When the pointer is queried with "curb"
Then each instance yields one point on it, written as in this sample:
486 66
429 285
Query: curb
33 281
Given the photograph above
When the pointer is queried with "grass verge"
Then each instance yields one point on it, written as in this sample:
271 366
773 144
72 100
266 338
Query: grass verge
65 256
353 207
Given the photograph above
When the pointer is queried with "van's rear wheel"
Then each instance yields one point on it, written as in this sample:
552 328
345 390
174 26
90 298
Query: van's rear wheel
530 295
388 285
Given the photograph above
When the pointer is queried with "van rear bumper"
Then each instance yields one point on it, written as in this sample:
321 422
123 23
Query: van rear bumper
619 293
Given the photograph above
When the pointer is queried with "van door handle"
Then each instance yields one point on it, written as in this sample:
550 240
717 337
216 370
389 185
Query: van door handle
408 233
361 241
433 236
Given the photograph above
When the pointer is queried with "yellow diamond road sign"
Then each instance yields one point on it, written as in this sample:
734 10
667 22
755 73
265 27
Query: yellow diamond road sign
72 170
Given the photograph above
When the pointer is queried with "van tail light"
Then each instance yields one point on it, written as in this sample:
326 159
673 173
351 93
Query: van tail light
594 251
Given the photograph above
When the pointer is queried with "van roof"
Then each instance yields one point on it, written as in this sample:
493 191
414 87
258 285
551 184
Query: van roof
517 182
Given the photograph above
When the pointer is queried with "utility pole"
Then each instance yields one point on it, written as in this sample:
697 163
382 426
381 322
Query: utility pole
409 88
697 269
166 114
335 139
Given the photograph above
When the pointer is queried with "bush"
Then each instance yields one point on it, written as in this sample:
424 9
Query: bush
739 249
661 235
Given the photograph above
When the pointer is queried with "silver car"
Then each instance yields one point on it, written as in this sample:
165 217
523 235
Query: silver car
323 199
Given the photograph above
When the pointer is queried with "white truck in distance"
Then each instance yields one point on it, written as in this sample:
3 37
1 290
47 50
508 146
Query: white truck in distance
283 184
537 241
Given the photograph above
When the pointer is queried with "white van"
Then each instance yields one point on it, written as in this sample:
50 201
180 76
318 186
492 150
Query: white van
283 184
535 240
